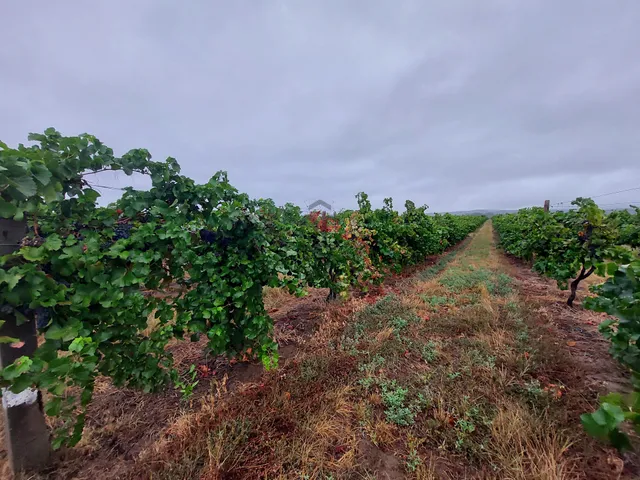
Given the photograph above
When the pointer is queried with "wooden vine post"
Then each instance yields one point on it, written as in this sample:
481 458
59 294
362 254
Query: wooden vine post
25 430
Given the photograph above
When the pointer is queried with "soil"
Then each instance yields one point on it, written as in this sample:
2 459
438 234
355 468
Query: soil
575 327
589 370
121 423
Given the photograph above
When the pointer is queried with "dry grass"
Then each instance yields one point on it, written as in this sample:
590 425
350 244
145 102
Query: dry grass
153 322
276 298
408 387
525 448
443 379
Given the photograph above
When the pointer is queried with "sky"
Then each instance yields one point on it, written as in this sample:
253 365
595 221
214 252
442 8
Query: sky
455 104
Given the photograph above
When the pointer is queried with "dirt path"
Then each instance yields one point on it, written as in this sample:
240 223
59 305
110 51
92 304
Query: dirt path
471 368
478 371
123 423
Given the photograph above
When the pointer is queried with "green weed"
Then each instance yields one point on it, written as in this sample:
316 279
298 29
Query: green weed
500 285
481 359
458 279
436 300
399 408
429 351
373 365
394 398
398 324
413 460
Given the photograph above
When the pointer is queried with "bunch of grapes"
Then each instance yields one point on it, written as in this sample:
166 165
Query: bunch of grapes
43 317
35 241
122 231
144 216
208 236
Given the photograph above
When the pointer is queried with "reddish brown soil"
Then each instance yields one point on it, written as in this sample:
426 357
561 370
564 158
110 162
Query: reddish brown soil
122 422
584 366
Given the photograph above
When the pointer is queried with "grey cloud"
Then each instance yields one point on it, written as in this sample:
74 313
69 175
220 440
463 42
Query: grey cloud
458 104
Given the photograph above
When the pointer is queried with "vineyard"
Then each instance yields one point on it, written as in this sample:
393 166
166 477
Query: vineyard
575 245
432 353
85 272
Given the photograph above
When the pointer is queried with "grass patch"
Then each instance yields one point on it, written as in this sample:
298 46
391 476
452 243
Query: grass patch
275 298
435 269
314 368
435 301
464 280
458 279
453 394
500 285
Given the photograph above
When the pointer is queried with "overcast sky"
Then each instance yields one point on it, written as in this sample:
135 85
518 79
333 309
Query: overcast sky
456 104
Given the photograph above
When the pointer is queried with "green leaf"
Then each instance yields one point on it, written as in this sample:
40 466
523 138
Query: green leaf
21 383
18 367
593 427
7 210
20 318
25 185
49 193
41 173
33 254
11 278
66 333
611 268
53 407
614 412
612 398
53 242
619 440
90 195
4 339
58 439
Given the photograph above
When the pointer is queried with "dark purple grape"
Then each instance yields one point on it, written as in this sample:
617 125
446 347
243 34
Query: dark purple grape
208 236
122 231
144 217
43 317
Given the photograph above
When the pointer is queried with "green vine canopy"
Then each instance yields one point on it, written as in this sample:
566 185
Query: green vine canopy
87 273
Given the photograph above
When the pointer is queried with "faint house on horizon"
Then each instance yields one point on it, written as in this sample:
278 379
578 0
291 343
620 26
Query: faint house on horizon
320 206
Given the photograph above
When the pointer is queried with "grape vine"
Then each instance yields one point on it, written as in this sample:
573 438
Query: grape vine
575 244
87 273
